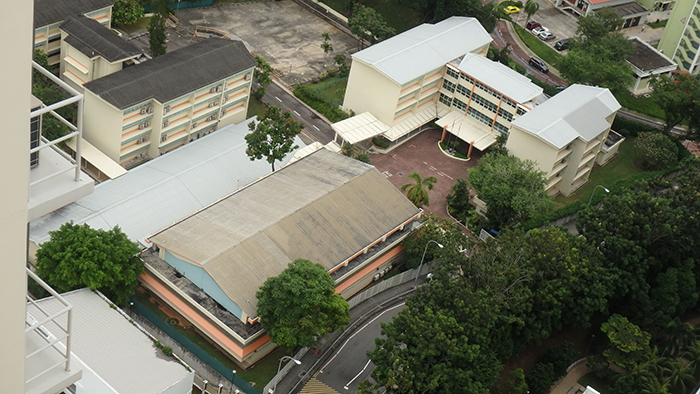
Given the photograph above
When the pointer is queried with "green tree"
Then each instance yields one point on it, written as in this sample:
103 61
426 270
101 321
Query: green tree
299 305
78 256
656 150
458 201
342 65
679 97
272 137
326 45
513 190
484 12
435 228
126 12
416 192
50 93
628 343
516 382
531 8
157 35
263 72
369 25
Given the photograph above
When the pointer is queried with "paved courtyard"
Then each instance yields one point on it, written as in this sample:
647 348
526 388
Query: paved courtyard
282 32
423 155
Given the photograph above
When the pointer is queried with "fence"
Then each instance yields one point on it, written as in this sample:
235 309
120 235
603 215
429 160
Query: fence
391 282
181 5
193 348
284 371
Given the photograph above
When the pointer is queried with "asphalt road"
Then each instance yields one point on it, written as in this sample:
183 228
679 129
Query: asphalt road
314 125
350 365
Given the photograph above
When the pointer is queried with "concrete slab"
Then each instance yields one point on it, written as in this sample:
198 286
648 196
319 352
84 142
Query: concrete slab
282 32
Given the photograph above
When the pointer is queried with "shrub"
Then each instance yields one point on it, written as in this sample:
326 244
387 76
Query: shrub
551 367
656 150
381 142
630 128
363 157
321 104
167 350
541 378
458 200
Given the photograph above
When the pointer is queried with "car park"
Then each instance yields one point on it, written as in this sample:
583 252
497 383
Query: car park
532 24
538 64
546 36
539 30
511 9
562 44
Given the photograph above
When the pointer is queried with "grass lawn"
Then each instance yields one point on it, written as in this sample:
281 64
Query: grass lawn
542 50
261 373
620 168
640 104
656 25
399 17
595 382
333 87
141 24
255 107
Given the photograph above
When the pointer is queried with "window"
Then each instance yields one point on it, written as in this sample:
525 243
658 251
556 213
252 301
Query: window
445 99
459 104
484 102
463 90
467 78
449 86
510 102
452 72
500 128
34 138
479 116
520 111
505 114
488 90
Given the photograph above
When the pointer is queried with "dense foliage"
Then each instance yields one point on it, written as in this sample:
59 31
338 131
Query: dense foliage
126 12
437 10
417 191
272 136
300 304
656 150
78 256
369 25
50 93
679 97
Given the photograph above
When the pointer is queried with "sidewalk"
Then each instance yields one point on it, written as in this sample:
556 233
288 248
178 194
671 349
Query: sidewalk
327 345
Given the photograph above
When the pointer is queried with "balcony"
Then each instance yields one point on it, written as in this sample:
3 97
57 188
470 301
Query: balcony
48 345
610 148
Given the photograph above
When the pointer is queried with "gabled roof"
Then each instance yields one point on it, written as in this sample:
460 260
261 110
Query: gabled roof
424 48
500 78
91 38
577 112
112 347
325 208
47 12
174 74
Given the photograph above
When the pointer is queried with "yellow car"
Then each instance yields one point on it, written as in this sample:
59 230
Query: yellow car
511 9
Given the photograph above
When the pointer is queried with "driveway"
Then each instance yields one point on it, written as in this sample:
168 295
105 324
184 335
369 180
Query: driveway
423 155
282 32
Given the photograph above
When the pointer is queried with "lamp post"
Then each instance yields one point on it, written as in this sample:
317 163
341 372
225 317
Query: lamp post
297 362
233 378
592 193
415 281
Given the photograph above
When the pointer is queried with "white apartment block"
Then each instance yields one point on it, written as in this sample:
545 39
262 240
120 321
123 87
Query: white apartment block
148 109
50 14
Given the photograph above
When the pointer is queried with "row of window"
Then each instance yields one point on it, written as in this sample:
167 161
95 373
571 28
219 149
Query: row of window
453 73
505 115
462 106
449 86
479 116
488 90
484 102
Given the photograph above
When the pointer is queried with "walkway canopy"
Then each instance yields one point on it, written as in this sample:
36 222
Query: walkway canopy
468 129
359 128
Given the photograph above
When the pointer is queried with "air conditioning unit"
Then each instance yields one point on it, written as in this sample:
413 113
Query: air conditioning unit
146 124
141 140
150 110
219 89
223 113
212 90
166 122
144 110
163 138
142 126
223 100
248 76
166 109
212 103
194 125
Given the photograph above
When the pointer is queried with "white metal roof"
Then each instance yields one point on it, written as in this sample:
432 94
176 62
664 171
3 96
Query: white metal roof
166 189
468 129
577 112
115 349
500 78
424 48
413 121
359 128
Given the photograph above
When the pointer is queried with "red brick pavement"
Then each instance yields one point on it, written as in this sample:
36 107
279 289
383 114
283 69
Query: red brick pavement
423 155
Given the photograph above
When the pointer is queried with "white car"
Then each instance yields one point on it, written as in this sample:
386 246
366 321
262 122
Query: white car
539 30
546 36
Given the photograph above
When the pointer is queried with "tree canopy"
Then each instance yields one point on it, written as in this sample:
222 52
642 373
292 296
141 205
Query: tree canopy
126 12
50 93
157 35
437 10
78 256
369 25
656 150
513 189
300 304
272 137
263 72
679 97
418 192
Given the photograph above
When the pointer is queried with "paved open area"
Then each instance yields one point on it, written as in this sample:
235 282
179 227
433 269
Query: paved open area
282 32
423 155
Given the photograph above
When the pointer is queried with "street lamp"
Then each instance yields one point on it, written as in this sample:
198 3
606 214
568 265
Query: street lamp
592 193
415 281
233 378
297 362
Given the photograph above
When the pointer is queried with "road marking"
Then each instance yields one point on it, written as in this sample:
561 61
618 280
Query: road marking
278 99
356 376
315 386
314 126
297 113
357 332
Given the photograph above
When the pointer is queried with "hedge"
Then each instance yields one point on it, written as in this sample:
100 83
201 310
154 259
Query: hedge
318 102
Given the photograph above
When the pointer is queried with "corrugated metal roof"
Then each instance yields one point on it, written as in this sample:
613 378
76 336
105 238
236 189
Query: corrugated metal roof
415 120
168 188
91 38
500 78
116 350
174 74
324 208
577 112
359 128
51 11
424 48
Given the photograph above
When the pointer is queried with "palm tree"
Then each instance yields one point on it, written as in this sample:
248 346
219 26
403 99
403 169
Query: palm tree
680 374
654 386
675 337
531 7
416 192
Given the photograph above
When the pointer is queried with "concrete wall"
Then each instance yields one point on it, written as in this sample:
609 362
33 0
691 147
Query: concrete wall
102 125
369 90
526 146
14 177
675 27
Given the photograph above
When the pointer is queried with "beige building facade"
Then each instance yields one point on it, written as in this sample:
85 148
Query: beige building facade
154 107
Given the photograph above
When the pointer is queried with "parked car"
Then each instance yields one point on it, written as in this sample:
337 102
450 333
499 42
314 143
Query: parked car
539 64
562 44
511 9
547 36
533 24
539 30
